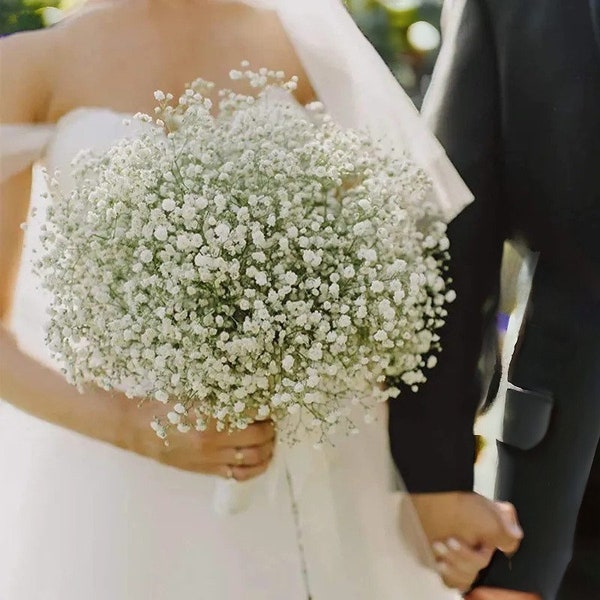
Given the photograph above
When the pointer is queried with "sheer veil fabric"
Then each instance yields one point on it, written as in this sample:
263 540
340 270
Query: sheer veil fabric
95 522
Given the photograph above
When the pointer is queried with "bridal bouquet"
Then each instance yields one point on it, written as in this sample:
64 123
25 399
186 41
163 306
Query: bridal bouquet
260 262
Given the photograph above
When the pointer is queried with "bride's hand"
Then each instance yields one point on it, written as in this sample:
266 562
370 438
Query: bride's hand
240 455
112 418
460 565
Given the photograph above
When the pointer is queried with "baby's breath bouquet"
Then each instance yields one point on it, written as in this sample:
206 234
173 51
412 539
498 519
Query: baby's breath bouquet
257 261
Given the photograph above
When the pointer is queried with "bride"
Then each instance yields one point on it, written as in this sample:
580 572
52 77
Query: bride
93 505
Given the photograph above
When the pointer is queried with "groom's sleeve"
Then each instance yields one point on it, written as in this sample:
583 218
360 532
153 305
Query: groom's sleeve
431 431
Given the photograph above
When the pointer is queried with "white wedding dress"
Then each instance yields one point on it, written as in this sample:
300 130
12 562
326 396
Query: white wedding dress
81 520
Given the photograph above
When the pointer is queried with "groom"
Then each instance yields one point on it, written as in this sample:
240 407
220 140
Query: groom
516 102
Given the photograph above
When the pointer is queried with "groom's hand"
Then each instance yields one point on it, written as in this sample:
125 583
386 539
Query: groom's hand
460 565
477 521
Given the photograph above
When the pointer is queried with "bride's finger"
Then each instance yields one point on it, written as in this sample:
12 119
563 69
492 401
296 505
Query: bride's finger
467 560
459 564
242 473
454 579
256 434
249 456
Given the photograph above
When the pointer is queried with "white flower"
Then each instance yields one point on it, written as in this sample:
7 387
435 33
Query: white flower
168 205
174 418
344 321
380 336
399 296
263 412
258 238
377 287
255 264
201 202
312 258
146 256
432 362
222 231
161 233
161 396
312 382
204 261
367 254
188 212
290 278
261 278
315 353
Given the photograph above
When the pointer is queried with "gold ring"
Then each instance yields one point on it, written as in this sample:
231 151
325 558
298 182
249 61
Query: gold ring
230 473
239 456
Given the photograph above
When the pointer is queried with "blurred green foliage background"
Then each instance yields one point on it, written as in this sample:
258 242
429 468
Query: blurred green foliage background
404 32
23 15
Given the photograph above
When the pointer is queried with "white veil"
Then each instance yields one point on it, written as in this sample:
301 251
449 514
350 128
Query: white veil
359 90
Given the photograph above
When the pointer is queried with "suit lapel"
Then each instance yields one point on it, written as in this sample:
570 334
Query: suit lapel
595 9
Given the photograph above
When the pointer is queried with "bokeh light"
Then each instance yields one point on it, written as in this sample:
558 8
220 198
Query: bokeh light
423 36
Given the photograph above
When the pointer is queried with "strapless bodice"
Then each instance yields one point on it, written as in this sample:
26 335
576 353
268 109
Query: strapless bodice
94 129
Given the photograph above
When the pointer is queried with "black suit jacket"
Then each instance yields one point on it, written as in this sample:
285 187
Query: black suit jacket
516 103
515 100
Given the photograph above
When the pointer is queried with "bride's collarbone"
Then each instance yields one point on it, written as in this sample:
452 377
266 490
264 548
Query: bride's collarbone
123 71
127 97
131 89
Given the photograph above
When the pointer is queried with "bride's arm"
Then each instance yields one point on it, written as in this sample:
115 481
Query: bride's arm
23 381
25 91
44 393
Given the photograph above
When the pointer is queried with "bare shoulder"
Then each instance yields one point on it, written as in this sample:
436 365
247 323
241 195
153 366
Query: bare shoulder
32 62
26 74
95 13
